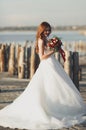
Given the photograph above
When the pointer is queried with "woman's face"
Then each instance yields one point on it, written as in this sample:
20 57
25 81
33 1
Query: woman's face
47 32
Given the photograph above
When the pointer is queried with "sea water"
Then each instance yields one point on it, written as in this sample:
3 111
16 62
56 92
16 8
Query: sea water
23 36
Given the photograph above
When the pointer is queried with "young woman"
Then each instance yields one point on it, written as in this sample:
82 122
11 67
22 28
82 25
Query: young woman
51 100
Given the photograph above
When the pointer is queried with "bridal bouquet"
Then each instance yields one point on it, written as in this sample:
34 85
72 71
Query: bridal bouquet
55 43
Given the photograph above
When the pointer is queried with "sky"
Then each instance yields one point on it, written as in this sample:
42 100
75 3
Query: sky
33 12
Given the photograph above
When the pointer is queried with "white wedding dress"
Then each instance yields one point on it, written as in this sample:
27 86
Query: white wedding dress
50 101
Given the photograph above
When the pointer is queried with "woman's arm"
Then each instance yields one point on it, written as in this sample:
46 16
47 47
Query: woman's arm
41 50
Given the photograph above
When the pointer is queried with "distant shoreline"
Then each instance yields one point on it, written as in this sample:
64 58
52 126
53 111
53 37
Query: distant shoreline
34 28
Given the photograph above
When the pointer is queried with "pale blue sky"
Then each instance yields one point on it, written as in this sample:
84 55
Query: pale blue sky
32 12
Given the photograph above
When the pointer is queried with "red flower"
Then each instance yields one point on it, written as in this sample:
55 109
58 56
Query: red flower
56 44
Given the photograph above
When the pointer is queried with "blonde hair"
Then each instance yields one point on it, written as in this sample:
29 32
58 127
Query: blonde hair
42 27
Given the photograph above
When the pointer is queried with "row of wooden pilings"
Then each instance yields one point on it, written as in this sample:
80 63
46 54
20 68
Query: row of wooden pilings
23 61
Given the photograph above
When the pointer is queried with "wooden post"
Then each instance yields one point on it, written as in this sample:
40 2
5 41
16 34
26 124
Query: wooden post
21 63
28 61
76 69
80 74
68 64
37 61
7 54
11 68
17 51
34 62
2 58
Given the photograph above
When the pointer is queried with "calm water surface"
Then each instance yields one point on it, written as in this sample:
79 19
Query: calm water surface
67 36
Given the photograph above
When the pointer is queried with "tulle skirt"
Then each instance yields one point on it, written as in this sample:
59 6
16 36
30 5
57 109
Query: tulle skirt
50 101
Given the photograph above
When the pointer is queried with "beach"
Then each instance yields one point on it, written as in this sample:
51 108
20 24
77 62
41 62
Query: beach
11 87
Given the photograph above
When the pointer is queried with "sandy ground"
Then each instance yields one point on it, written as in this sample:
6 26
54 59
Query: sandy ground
11 87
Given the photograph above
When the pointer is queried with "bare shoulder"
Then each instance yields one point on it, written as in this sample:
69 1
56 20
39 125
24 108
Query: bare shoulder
40 42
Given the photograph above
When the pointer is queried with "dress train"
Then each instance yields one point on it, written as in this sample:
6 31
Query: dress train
50 101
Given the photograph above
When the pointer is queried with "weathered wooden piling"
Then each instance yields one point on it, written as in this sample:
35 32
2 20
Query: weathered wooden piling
80 74
76 69
34 62
28 61
7 55
68 64
21 62
2 58
11 67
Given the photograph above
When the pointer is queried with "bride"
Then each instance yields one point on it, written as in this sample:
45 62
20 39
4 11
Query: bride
50 101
